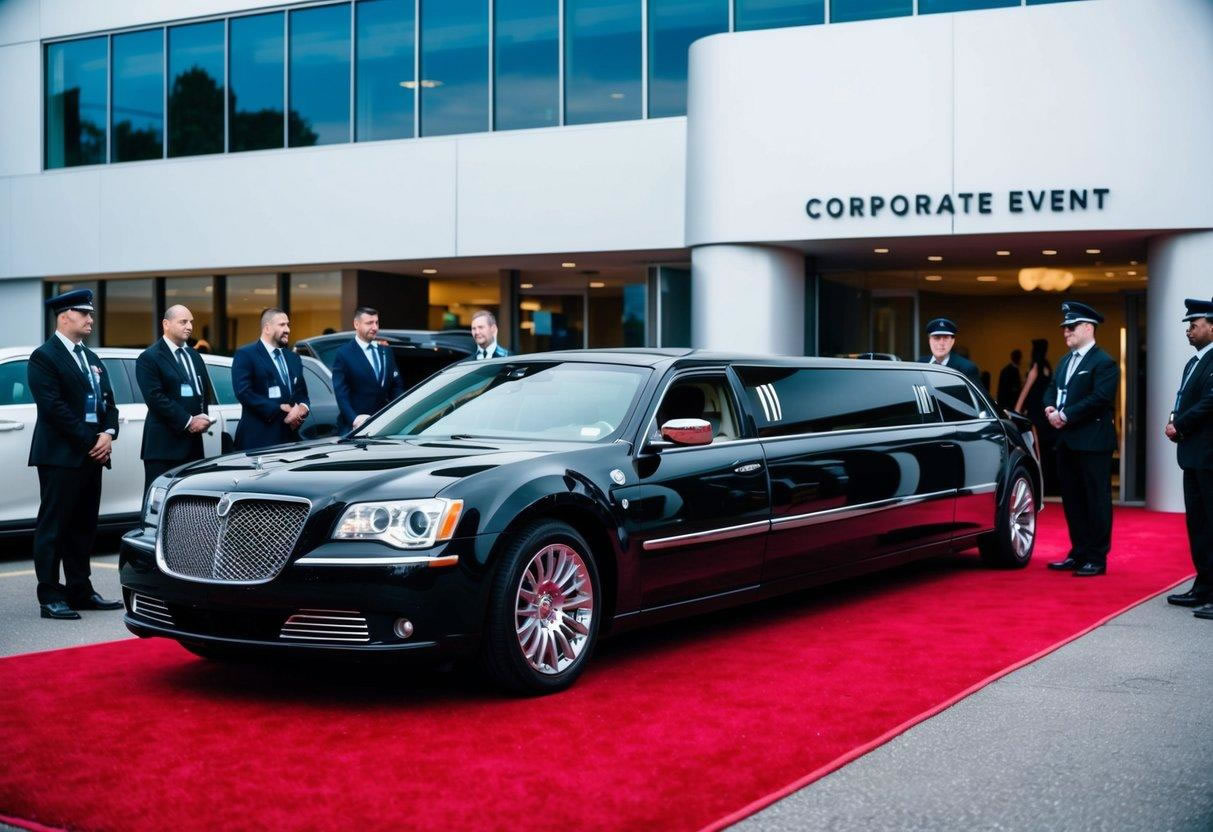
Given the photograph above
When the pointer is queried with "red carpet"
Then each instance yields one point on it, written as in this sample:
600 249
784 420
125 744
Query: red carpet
674 728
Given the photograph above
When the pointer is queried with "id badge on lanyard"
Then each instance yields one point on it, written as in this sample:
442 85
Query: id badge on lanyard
90 408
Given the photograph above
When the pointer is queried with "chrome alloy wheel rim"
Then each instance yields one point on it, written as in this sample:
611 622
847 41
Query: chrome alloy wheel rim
1023 518
554 608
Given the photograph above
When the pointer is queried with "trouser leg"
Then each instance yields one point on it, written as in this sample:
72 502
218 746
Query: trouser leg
1069 481
1096 471
1198 505
50 525
76 544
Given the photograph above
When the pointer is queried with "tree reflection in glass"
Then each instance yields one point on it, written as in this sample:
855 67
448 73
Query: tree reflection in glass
195 92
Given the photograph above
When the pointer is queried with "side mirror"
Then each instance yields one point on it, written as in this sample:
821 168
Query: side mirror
687 432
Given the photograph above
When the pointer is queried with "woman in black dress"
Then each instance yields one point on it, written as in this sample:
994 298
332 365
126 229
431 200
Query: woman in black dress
1031 404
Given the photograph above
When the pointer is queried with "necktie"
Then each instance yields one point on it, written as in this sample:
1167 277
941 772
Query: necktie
1072 365
1188 368
88 376
377 363
282 373
483 353
185 368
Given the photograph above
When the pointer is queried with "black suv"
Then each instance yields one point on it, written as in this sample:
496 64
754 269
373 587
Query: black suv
521 507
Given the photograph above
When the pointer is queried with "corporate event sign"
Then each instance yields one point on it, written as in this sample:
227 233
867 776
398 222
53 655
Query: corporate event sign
1054 200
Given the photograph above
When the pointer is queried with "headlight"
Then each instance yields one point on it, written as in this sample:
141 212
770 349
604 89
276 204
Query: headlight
153 504
405 524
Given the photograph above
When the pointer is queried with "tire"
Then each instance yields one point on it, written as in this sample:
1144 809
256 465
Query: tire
1014 538
544 610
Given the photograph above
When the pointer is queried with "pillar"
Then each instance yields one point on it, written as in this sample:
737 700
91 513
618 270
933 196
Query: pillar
747 298
22 316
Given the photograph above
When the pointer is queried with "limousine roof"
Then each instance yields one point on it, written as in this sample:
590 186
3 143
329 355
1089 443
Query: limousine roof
665 356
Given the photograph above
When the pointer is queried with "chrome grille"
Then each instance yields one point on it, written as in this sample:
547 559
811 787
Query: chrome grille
151 608
251 544
326 625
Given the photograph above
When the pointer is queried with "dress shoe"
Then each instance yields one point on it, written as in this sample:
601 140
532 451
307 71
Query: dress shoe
1089 570
1064 565
1185 599
96 602
60 610
1204 612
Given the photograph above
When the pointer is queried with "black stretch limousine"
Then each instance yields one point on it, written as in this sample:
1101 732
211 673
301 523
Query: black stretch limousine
516 509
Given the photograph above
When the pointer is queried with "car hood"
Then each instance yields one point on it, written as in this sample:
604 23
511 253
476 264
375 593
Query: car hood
329 470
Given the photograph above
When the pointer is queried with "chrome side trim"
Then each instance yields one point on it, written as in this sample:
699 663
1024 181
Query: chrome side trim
984 488
135 538
813 518
308 560
709 536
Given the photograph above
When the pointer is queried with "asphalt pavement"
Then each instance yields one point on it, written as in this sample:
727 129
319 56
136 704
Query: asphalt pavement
1112 732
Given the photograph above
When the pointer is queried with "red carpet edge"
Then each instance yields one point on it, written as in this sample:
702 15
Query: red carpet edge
857 752
33 826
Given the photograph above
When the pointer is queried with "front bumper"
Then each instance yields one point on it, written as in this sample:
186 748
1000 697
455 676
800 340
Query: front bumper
445 606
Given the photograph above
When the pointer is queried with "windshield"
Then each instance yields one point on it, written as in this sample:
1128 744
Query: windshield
517 400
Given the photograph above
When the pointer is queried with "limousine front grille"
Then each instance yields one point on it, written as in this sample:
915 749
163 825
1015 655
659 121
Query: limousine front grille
151 608
343 626
249 543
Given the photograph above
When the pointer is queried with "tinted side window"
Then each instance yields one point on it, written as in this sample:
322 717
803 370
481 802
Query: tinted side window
14 383
221 379
318 389
119 380
790 400
416 365
136 393
956 401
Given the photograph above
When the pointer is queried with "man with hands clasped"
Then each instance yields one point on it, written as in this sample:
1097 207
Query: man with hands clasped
269 383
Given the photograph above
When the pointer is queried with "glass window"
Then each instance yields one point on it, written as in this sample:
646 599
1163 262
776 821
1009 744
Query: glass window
788 400
195 89
248 295
386 86
136 393
673 26
315 304
551 322
197 294
221 380
842 11
674 303
76 82
119 380
14 383
956 401
601 60
138 109
453 301
257 74
454 66
933 6
617 312
128 313
772 14
526 86
320 76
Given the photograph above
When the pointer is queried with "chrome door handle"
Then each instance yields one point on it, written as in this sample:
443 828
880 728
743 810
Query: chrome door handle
748 468
12 426
131 418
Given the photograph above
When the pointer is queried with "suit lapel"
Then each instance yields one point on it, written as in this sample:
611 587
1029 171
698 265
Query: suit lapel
68 363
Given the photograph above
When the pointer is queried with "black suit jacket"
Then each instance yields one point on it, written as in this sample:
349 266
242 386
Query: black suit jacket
1194 418
61 436
1090 401
261 418
355 386
168 412
960 364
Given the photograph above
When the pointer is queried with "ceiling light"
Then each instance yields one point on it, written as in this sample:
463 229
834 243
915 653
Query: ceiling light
987 278
597 284
1132 262
1047 280
526 285
568 265
429 271
1049 252
1131 274
881 250
1092 251
934 258
301 286
1109 274
1002 252
934 278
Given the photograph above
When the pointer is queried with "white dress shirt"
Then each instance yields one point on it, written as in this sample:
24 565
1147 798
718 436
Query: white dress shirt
485 353
71 348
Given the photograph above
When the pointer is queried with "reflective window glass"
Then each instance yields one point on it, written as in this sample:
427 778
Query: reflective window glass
454 66
673 26
617 311
933 6
195 89
257 75
386 86
601 60
315 304
120 382
138 109
1042 2
551 322
221 380
75 102
955 398
526 86
248 295
128 314
842 11
790 400
320 76
197 294
771 14
453 301
14 383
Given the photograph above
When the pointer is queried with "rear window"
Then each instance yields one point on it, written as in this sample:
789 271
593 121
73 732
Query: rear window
791 400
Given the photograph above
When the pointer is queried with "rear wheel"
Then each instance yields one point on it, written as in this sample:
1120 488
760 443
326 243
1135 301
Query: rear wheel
1014 537
543 611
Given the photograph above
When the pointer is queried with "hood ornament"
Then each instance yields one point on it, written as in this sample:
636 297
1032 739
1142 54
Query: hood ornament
224 505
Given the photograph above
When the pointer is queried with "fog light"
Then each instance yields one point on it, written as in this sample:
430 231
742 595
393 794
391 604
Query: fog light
403 628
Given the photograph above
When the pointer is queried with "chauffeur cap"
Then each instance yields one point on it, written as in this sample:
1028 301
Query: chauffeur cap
1198 309
941 326
1074 312
79 299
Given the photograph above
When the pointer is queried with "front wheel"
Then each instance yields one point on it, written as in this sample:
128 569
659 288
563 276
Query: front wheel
544 610
1014 537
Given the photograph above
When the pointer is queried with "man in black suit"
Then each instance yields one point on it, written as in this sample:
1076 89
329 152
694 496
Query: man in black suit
484 333
365 377
1191 429
941 335
77 424
1010 382
1080 403
269 383
174 382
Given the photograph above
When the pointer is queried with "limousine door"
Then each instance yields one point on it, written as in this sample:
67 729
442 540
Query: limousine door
860 464
703 511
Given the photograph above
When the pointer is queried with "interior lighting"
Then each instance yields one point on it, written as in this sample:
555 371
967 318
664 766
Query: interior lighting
530 306
881 250
526 285
568 265
303 286
1132 262
934 278
1131 274
1047 280
1109 274
987 278
1002 252
429 271
597 284
1093 251
1049 252
934 258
